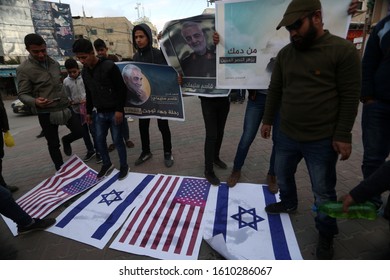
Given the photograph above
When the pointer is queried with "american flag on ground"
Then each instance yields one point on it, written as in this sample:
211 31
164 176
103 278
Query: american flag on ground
73 178
167 224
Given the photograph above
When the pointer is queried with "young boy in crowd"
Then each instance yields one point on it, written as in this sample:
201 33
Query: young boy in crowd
74 88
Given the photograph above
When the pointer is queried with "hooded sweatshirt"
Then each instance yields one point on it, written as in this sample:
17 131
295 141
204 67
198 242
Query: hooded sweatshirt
149 54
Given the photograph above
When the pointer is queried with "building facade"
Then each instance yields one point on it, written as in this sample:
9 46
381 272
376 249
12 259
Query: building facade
114 31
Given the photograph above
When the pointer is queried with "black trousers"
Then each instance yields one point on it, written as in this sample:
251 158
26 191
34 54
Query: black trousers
215 111
51 134
163 126
2 182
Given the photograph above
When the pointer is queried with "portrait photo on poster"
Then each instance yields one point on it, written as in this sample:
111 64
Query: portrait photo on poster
188 47
152 91
137 84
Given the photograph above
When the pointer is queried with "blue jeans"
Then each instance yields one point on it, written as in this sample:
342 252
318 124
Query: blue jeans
376 136
104 122
253 116
321 160
252 120
10 209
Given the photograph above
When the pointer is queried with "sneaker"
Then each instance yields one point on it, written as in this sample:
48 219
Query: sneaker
143 157
105 170
98 158
129 144
278 208
111 148
67 147
89 156
168 159
271 183
123 172
36 225
220 163
324 249
212 178
233 178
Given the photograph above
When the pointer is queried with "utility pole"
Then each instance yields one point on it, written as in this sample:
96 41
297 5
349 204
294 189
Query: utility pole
137 8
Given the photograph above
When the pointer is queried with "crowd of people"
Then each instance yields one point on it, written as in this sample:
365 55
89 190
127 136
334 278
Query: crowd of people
318 75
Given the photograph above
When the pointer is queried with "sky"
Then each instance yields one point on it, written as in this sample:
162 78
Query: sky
158 11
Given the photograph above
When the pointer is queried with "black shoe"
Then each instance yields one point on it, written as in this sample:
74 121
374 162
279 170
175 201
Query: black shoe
168 159
37 224
11 188
129 144
98 158
111 148
220 163
212 178
67 147
105 170
278 208
40 135
89 156
324 249
123 172
143 157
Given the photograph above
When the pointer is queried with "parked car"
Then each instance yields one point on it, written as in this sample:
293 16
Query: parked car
20 108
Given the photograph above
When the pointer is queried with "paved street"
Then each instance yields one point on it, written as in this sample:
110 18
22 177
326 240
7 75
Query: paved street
28 163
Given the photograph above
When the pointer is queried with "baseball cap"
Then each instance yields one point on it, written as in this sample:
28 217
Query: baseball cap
298 8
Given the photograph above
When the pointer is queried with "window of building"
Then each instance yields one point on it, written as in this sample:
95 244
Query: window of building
360 5
111 43
93 32
110 30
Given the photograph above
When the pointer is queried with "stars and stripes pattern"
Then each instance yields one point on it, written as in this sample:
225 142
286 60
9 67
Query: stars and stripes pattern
167 224
73 178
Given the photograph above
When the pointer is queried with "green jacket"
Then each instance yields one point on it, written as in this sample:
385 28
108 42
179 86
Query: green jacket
317 90
34 81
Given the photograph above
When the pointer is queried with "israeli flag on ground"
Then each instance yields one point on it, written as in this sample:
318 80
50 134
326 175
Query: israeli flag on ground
95 216
237 226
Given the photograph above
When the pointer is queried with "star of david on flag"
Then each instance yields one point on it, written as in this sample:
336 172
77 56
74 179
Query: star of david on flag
237 226
111 197
95 216
249 220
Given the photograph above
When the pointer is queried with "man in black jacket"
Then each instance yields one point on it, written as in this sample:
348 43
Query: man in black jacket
105 91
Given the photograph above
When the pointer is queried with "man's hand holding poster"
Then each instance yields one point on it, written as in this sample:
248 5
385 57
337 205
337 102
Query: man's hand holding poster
188 47
152 91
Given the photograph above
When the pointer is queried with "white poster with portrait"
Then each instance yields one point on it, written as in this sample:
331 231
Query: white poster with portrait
153 91
188 47
249 41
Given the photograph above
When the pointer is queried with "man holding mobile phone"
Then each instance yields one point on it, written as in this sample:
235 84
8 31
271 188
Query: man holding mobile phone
40 87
